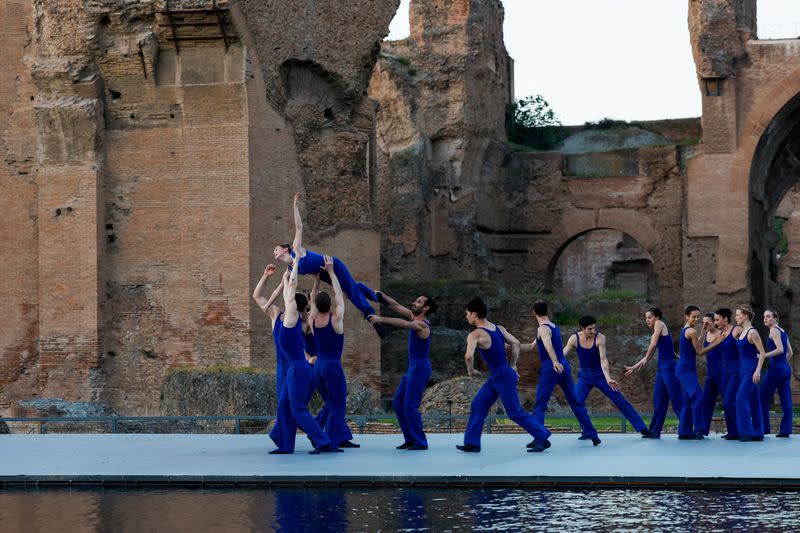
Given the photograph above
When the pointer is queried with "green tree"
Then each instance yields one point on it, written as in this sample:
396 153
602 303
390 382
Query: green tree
532 122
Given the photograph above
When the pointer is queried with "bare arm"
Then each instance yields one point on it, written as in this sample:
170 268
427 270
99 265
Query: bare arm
312 300
604 365
571 343
547 339
417 325
258 295
651 349
297 243
775 335
789 351
289 291
755 338
515 347
469 356
698 345
399 309
338 298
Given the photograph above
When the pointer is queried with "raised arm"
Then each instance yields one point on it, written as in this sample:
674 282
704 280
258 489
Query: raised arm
297 243
312 298
515 347
469 356
547 339
694 336
289 290
258 295
775 335
399 309
338 297
601 347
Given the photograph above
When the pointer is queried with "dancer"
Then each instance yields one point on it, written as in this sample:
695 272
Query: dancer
751 360
293 403
555 370
490 340
412 386
594 372
327 323
730 358
666 388
692 418
311 263
274 313
778 376
715 372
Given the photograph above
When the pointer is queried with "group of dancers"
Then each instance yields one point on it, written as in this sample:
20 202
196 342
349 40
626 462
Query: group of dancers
309 340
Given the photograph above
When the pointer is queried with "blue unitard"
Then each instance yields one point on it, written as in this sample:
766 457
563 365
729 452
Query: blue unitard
502 383
667 388
280 372
332 385
411 388
549 378
590 375
730 357
293 403
748 406
358 293
714 386
777 377
690 420
310 347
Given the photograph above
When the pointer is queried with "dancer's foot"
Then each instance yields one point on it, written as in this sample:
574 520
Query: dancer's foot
416 447
691 436
539 446
404 446
349 444
583 437
325 448
279 452
782 435
728 436
470 448
649 434
531 444
749 439
596 441
699 436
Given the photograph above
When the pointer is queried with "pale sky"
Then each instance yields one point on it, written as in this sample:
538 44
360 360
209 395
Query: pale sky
623 59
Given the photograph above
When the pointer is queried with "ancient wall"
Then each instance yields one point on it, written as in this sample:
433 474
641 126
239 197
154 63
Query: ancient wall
151 151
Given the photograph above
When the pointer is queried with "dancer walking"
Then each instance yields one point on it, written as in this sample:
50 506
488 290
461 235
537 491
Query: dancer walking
751 360
778 376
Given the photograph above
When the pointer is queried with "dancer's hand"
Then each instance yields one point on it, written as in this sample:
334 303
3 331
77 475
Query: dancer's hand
328 266
757 376
270 270
558 367
374 319
613 384
297 197
631 369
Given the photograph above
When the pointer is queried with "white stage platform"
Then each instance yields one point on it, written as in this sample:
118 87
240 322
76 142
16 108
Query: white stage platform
233 460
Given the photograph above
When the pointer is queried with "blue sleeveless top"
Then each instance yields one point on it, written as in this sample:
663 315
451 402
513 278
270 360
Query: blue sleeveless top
748 354
419 348
666 350
276 332
688 355
557 346
730 353
329 343
311 263
292 342
780 359
589 358
495 354
714 361
310 343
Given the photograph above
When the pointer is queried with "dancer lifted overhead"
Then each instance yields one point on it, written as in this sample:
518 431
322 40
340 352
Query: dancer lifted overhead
594 372
310 262
490 341
412 386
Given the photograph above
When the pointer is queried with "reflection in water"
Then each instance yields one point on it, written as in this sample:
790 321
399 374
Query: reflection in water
320 510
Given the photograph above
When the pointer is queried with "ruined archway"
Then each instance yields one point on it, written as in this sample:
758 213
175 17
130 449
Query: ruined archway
775 169
602 259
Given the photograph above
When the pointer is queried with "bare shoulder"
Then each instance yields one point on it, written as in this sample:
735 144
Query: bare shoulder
601 339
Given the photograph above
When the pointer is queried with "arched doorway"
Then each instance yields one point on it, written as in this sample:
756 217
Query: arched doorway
775 170
603 259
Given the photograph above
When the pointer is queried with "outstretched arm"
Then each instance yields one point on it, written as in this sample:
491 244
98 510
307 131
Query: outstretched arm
338 296
571 342
297 243
399 309
651 349
258 295
417 325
